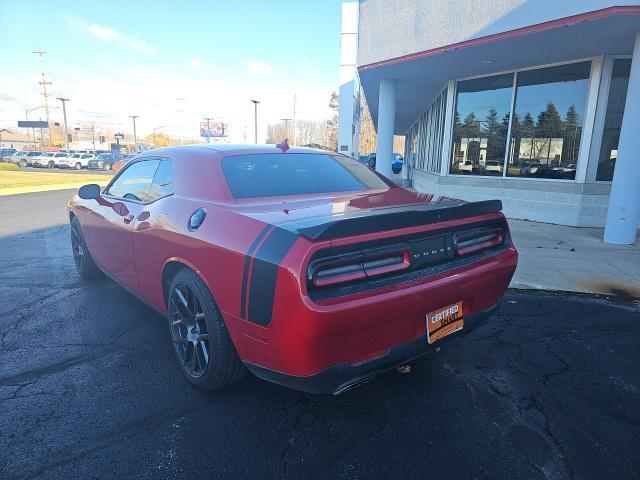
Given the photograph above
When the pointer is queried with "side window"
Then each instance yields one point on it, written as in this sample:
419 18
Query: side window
163 181
134 182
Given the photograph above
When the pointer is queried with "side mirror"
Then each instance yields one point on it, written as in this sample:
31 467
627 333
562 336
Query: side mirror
89 192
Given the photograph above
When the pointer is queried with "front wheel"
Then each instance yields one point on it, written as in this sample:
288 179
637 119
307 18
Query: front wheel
51 164
84 262
78 166
107 166
200 338
23 163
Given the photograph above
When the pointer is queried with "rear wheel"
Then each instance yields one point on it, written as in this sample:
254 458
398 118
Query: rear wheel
51 164
200 338
78 166
107 166
23 163
84 262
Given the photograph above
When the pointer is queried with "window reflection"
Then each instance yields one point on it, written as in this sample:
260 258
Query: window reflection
613 119
481 124
547 121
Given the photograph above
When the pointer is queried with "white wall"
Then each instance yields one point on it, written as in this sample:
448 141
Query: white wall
393 28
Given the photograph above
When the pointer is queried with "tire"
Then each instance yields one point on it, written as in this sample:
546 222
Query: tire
107 167
87 268
23 163
78 166
223 365
51 164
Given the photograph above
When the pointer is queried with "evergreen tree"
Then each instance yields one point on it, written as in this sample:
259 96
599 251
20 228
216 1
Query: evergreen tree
572 133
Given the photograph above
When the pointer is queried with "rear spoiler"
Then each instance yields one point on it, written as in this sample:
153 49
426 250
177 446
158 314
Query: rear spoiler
370 221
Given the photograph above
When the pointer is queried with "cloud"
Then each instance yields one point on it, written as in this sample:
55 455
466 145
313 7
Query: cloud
197 64
5 97
109 35
260 68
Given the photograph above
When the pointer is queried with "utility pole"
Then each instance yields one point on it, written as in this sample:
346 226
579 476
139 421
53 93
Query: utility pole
135 135
286 125
64 113
208 136
44 84
295 97
255 120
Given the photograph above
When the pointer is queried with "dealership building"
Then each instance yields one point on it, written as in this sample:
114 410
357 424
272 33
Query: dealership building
534 102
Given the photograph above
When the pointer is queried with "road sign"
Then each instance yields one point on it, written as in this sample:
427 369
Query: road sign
119 136
32 124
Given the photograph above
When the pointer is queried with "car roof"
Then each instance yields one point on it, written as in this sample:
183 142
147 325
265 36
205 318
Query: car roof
227 149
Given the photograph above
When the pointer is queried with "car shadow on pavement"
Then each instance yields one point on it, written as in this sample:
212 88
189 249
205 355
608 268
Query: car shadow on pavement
89 386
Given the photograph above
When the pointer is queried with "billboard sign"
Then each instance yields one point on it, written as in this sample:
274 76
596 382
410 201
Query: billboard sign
32 124
211 129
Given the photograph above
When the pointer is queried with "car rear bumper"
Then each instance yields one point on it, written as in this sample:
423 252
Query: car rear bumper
338 378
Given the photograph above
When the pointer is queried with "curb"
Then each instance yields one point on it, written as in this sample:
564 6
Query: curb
43 188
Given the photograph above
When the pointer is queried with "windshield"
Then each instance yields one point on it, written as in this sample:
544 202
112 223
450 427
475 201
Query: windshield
104 156
276 174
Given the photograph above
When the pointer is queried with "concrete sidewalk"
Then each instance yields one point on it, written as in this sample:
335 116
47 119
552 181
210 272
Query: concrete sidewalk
555 257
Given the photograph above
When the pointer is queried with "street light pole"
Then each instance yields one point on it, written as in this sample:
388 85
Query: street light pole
286 125
64 113
255 119
135 136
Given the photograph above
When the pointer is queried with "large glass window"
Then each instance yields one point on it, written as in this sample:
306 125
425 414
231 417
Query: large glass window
548 116
480 125
547 121
613 119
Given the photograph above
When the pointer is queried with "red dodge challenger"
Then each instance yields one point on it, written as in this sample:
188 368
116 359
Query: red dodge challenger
303 266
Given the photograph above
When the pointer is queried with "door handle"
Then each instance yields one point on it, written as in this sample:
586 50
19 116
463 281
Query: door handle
128 218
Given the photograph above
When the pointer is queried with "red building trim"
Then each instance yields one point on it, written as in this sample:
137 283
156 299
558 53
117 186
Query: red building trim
518 32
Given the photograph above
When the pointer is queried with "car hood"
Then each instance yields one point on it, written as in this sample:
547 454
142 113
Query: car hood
337 215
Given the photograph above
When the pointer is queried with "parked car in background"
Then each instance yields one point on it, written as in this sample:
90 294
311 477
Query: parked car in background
104 161
76 160
45 159
6 154
354 277
397 162
18 156
25 158
493 167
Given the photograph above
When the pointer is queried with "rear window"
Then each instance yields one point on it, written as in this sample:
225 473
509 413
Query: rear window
276 174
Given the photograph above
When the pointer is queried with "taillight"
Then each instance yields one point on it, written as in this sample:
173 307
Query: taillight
361 266
472 241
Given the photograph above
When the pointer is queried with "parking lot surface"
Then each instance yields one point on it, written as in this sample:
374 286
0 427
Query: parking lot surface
89 388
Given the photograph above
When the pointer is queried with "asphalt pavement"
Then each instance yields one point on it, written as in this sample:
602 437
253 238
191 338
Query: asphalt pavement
89 388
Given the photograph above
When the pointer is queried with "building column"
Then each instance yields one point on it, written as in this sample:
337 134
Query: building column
348 113
386 126
624 202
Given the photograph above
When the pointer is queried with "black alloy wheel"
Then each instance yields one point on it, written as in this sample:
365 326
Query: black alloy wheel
189 331
85 265
201 342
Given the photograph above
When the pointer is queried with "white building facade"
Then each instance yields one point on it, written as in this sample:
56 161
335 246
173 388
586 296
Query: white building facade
534 102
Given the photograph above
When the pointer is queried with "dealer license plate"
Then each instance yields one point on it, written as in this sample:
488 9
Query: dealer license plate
444 321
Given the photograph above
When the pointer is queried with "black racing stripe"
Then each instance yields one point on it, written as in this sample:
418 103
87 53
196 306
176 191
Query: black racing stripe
265 272
245 270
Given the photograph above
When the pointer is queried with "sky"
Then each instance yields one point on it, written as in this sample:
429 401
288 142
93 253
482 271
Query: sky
172 64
